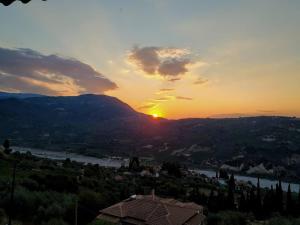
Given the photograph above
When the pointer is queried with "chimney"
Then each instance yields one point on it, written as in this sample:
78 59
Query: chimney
153 194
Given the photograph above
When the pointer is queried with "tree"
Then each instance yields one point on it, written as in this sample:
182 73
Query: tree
231 183
279 197
298 202
6 145
134 164
243 203
289 202
212 203
223 174
227 218
221 200
252 200
268 202
258 208
173 168
230 195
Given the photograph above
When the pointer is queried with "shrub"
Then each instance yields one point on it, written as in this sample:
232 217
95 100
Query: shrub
227 218
100 222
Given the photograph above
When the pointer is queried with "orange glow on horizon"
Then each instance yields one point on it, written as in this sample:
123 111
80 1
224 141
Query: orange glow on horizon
155 115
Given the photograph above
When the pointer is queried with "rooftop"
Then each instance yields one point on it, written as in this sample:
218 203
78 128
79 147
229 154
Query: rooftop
152 210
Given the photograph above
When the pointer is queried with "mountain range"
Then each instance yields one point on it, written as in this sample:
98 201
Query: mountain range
102 125
5 95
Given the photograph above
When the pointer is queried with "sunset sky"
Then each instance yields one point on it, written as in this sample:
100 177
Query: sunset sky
172 58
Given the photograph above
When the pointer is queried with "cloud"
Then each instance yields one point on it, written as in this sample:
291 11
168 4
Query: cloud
165 90
164 99
25 70
174 79
200 81
183 98
148 106
169 63
145 58
173 67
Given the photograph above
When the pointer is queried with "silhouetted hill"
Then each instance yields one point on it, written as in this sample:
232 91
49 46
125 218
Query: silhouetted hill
59 122
45 111
104 125
4 95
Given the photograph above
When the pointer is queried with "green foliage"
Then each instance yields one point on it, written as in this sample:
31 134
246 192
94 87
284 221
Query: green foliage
2 216
6 145
39 206
55 221
283 221
227 218
100 222
90 202
173 168
46 192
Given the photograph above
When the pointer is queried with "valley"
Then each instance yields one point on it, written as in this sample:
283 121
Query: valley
103 126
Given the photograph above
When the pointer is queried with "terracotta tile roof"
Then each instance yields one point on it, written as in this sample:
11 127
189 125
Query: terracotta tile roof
195 220
149 210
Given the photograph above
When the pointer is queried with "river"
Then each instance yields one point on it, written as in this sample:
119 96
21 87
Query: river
116 163
264 183
105 162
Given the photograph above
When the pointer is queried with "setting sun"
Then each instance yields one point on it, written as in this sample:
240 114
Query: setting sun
155 115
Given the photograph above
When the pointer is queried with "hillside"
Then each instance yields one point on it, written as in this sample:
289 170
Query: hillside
102 125
5 95
74 121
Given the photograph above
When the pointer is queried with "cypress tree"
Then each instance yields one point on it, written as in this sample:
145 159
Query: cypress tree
231 183
212 204
289 201
298 202
280 197
198 197
252 200
221 200
272 196
276 203
230 194
6 145
248 205
230 199
243 203
258 206
267 203
258 194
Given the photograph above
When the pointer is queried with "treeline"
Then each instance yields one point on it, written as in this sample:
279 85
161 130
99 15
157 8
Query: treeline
49 192
262 203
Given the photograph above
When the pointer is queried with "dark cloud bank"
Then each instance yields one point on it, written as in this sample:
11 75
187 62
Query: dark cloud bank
25 70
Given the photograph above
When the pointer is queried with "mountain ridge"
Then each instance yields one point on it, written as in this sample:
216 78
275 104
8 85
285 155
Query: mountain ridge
104 125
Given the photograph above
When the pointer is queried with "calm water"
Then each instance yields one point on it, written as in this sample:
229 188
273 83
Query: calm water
264 183
116 163
106 162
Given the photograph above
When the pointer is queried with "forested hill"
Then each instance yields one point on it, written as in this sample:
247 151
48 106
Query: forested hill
5 95
54 122
104 125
